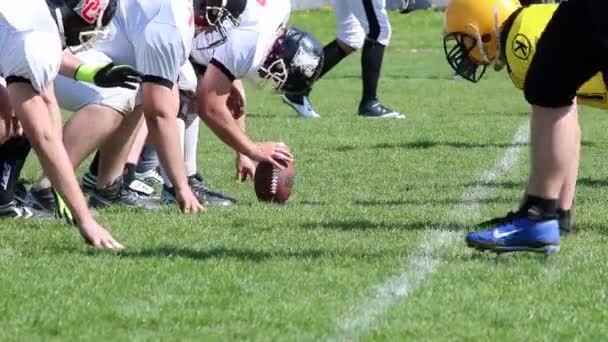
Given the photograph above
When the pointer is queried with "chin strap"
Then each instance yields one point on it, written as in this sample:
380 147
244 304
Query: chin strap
275 72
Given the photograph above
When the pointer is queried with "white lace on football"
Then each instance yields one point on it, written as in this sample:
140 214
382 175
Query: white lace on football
274 181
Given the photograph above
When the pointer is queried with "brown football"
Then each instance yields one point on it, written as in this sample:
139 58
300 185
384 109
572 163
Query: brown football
272 184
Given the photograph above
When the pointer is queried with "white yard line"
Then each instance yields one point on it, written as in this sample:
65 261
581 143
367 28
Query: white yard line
419 266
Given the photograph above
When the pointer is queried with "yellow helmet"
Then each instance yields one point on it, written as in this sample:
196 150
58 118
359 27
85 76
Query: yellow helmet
472 34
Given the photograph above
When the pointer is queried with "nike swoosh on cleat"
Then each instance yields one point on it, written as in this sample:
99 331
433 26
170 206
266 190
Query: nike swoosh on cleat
497 235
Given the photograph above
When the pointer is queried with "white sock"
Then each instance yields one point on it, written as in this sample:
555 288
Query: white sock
191 147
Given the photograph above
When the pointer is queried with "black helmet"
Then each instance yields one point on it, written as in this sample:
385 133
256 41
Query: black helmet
217 15
294 62
80 21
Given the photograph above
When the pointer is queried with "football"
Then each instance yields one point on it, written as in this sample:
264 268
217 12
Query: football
272 184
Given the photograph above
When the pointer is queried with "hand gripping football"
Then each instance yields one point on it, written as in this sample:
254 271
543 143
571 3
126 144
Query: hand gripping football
272 184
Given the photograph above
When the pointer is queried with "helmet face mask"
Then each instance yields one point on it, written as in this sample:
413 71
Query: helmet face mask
221 21
472 34
458 47
88 38
275 72
82 22
216 19
294 62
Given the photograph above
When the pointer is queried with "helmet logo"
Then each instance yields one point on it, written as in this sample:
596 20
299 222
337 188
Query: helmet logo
306 62
521 47
88 10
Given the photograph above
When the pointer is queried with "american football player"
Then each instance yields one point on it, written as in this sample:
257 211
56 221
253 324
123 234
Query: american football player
261 47
32 33
188 122
361 24
155 37
526 40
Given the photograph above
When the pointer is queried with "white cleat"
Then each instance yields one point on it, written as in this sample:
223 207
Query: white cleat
300 104
150 177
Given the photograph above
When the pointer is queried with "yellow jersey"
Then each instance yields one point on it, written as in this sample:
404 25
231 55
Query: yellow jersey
520 47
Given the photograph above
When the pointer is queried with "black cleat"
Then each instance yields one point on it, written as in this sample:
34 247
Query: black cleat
207 196
119 194
375 109
21 189
88 181
41 199
18 210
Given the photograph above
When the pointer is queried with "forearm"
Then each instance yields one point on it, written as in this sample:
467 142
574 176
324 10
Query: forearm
220 121
59 170
69 64
164 137
240 122
56 163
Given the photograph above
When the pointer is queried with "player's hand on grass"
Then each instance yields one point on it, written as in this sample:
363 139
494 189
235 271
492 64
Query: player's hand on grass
97 236
272 152
188 203
109 75
245 168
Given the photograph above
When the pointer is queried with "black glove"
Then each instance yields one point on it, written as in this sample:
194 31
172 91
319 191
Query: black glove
117 76
109 75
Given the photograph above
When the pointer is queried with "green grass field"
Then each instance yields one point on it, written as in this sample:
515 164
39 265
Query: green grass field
370 245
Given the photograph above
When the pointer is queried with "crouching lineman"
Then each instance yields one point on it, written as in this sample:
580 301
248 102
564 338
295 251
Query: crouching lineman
188 124
527 40
32 42
159 55
155 37
262 46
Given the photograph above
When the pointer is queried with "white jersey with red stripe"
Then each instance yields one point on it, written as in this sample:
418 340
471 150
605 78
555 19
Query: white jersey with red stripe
154 36
247 45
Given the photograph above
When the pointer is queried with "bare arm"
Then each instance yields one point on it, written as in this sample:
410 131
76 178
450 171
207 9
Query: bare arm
160 105
213 95
37 114
69 64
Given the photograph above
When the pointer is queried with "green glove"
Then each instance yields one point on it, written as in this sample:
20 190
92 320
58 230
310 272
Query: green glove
109 75
62 211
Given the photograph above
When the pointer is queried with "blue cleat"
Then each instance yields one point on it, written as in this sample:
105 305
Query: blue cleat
520 235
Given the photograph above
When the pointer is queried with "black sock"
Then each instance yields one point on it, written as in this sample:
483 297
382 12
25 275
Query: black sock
332 55
94 167
563 213
564 218
539 208
129 174
371 63
13 154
